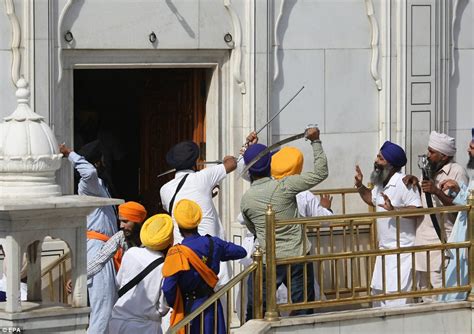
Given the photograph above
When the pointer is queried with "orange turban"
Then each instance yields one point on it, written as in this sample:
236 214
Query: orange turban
287 161
187 214
132 211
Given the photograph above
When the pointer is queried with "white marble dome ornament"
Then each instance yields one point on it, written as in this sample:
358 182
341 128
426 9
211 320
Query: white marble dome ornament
29 153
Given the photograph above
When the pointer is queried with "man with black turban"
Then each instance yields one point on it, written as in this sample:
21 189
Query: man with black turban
196 186
390 193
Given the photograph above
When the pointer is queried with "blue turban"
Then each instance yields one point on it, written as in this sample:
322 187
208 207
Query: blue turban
183 155
262 166
394 154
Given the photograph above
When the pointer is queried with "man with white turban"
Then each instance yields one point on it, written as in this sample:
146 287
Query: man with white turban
141 303
441 151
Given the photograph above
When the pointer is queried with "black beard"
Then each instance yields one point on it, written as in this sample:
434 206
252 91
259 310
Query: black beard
470 163
134 235
380 174
435 167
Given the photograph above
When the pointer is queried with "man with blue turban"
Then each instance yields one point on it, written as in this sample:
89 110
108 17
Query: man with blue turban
281 194
390 193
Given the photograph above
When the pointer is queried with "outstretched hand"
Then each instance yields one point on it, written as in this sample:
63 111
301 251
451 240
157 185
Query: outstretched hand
387 205
325 201
358 177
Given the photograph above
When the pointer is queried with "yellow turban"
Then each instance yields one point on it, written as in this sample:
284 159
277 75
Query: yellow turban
287 161
132 211
157 232
187 214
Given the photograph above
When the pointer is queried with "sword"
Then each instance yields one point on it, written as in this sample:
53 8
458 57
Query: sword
271 148
169 171
278 113
271 119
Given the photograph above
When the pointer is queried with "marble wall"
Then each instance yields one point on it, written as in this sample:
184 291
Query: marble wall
278 46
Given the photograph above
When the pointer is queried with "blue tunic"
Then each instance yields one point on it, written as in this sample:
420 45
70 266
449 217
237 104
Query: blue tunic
189 281
101 288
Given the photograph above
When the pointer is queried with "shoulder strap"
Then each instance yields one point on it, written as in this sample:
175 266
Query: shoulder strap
134 281
211 251
180 185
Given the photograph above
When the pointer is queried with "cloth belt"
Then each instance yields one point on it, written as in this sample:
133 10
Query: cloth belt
179 258
102 237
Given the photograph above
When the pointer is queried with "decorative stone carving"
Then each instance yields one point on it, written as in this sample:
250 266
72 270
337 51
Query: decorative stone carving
60 38
276 63
237 51
369 6
15 44
453 22
29 153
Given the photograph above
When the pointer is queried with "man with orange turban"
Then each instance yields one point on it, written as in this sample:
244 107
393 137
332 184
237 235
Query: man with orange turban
141 303
191 269
131 216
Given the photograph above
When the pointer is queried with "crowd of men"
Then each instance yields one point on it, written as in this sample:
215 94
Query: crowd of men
177 260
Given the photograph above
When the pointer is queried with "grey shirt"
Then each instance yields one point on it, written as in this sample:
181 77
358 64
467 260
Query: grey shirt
281 194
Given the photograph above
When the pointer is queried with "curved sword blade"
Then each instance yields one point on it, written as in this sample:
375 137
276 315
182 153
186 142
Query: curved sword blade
271 148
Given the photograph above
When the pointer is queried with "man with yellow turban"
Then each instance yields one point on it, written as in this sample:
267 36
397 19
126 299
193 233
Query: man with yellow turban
141 303
191 268
131 216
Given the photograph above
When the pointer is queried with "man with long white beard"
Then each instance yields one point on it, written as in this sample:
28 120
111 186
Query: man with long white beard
390 193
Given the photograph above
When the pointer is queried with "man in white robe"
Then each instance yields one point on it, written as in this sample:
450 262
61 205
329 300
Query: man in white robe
390 193
140 309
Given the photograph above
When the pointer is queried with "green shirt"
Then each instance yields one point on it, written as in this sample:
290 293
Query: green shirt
281 194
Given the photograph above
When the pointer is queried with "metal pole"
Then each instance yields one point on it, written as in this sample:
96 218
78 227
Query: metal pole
258 284
271 313
470 221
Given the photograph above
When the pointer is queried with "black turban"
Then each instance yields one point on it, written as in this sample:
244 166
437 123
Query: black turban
92 151
183 155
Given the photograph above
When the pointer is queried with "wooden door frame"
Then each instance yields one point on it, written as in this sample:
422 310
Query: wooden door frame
222 124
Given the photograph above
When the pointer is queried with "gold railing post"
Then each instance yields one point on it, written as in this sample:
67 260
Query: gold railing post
258 284
271 313
470 221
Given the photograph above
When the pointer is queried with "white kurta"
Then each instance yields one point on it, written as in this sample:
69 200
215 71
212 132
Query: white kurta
198 187
400 196
140 309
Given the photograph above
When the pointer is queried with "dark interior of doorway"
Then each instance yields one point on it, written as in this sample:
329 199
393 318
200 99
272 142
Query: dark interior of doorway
138 114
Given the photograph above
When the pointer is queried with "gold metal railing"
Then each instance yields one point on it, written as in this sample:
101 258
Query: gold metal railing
254 270
350 268
344 194
60 264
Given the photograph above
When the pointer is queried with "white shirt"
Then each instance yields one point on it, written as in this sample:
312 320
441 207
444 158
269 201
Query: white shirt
141 308
309 205
197 187
400 196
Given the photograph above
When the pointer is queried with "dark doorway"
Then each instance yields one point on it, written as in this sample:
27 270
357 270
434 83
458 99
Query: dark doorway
138 114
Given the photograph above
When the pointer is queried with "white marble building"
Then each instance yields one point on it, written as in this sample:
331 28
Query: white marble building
372 69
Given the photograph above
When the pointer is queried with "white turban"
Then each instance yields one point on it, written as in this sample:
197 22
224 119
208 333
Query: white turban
442 143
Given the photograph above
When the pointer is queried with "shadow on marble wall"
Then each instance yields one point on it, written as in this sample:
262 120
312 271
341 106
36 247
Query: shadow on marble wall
454 83
279 81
